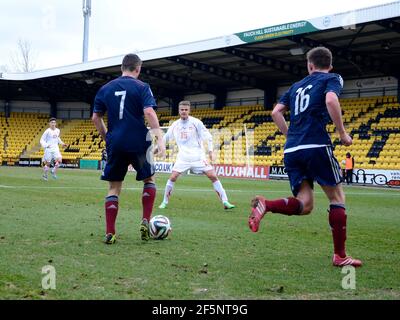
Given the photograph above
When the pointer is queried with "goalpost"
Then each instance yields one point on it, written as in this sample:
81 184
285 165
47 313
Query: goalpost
247 139
230 149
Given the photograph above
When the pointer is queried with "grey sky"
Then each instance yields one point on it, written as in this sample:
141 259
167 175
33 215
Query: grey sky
55 27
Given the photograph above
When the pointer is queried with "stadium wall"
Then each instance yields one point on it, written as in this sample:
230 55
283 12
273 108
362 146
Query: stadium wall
234 98
368 87
355 88
162 104
65 110
380 86
364 177
201 101
30 106
245 97
73 110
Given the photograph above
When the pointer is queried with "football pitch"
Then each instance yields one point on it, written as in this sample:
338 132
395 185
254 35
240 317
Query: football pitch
210 254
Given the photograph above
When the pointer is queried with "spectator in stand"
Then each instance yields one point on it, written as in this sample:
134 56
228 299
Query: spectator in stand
349 168
343 166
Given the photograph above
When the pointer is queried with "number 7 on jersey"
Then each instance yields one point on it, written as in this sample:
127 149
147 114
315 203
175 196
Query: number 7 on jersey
122 103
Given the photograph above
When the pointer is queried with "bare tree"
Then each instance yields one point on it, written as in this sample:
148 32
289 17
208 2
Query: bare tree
4 68
24 58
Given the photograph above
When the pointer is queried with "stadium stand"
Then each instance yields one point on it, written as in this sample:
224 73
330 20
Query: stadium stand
3 125
18 133
237 67
372 122
83 140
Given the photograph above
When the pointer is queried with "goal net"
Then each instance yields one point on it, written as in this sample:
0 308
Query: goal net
232 145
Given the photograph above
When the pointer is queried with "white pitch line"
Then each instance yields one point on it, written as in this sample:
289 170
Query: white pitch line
266 190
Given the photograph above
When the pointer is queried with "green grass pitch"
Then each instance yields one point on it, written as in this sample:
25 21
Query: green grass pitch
211 253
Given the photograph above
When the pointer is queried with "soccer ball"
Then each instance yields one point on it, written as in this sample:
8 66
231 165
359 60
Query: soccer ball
160 227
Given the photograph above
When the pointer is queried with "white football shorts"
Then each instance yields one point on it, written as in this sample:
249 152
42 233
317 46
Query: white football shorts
50 154
199 166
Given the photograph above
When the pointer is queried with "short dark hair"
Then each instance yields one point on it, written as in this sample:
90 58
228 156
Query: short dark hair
130 62
52 119
184 103
321 57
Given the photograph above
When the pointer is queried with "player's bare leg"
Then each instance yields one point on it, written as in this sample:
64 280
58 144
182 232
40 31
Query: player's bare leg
45 170
169 187
111 210
56 166
338 222
148 197
219 189
301 205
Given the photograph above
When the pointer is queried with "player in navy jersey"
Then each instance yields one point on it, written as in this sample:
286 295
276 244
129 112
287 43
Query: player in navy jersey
127 101
308 155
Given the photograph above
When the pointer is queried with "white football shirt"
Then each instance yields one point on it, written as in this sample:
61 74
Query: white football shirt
50 139
189 135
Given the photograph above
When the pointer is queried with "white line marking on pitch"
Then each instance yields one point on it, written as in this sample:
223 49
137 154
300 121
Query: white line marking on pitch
384 193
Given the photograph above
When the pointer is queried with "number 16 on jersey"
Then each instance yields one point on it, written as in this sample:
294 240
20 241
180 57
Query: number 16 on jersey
302 100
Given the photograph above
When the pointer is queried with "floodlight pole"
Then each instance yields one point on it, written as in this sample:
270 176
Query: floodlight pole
87 11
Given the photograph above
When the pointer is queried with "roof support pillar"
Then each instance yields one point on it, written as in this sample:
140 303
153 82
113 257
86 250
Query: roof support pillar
53 108
175 104
220 99
91 104
270 96
7 108
398 87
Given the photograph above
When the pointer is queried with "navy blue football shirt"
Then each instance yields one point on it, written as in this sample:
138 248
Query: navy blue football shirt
124 100
308 112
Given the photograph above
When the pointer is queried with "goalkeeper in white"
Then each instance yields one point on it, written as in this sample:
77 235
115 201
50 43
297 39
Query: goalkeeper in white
49 141
189 133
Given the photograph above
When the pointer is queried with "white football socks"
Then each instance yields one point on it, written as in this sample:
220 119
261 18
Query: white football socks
220 190
168 190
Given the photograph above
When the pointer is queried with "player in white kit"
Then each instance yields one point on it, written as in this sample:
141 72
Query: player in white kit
189 133
50 141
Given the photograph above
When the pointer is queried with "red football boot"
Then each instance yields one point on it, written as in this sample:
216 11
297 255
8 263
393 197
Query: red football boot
346 261
257 212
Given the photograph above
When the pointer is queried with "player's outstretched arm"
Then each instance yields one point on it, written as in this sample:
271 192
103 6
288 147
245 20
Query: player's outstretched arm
335 112
211 154
205 135
43 142
279 119
168 135
152 119
64 145
97 119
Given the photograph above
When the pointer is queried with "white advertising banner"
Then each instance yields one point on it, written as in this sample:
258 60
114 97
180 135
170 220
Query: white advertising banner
360 176
228 171
278 172
242 172
377 177
165 167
